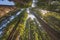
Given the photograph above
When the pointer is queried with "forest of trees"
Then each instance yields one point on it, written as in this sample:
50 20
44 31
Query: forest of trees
45 25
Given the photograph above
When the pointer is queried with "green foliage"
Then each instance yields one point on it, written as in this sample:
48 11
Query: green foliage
23 5
49 5
53 19
33 32
21 28
8 29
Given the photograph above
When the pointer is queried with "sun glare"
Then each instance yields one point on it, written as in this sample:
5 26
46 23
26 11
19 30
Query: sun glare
31 16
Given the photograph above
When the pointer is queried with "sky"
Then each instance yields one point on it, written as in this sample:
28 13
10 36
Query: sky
6 2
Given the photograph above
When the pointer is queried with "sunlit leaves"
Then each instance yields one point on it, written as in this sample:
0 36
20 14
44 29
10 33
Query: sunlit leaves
15 27
51 18
33 30
49 5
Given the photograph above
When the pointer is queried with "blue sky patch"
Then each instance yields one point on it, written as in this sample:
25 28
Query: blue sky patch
6 2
